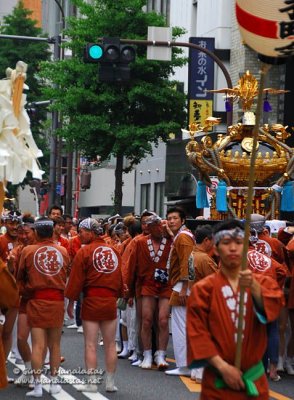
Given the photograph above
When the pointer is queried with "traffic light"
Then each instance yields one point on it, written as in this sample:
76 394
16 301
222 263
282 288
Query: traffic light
114 59
93 53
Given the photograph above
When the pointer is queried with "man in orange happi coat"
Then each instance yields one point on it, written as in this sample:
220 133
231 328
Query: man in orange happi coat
96 271
135 291
290 305
203 263
212 316
266 244
147 264
8 242
26 237
42 272
58 226
180 279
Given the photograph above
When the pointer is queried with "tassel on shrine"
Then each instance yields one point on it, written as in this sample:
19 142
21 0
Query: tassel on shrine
287 197
221 197
201 196
228 105
266 104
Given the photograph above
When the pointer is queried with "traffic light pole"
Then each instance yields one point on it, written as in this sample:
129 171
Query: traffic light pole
56 41
191 46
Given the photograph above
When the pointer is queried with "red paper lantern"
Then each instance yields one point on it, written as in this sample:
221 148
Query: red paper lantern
267 26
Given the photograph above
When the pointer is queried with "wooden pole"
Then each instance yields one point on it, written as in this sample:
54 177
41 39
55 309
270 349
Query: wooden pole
2 197
263 71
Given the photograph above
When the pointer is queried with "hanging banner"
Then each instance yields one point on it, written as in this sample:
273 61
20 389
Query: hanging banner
201 79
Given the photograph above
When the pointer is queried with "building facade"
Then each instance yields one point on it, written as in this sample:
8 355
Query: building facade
166 178
202 18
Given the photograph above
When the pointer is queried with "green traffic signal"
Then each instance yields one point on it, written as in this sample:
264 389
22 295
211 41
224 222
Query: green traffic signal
114 58
95 52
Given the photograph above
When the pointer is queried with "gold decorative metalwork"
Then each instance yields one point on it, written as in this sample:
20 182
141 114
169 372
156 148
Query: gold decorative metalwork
246 91
228 156
247 144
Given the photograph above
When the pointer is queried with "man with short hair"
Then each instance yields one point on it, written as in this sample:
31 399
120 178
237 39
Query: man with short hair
212 321
203 263
68 225
181 279
58 226
55 211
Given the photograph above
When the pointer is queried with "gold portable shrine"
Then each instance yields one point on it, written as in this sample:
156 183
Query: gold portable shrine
229 156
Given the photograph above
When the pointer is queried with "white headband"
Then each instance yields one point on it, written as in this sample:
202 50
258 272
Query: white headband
236 233
92 225
44 222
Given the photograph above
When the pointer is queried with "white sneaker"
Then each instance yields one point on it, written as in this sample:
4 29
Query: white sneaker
181 371
137 363
80 329
26 378
133 357
280 365
37 392
147 361
196 374
123 354
289 369
54 388
73 326
159 359
109 383
88 387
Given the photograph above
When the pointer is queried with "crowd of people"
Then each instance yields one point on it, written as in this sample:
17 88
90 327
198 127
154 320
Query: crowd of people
128 282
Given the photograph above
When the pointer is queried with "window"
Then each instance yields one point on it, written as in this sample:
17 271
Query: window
145 197
160 6
159 198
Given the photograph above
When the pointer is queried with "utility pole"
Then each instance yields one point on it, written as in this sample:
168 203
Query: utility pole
53 180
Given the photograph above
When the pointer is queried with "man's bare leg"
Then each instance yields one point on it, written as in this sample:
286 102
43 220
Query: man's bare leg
39 344
163 317
148 309
10 318
53 342
108 329
54 338
91 330
23 332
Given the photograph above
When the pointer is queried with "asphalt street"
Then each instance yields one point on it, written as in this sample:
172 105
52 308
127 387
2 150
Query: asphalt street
133 382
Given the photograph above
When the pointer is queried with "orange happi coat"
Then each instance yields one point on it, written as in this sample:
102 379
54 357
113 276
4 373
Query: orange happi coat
142 264
42 273
96 271
212 314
